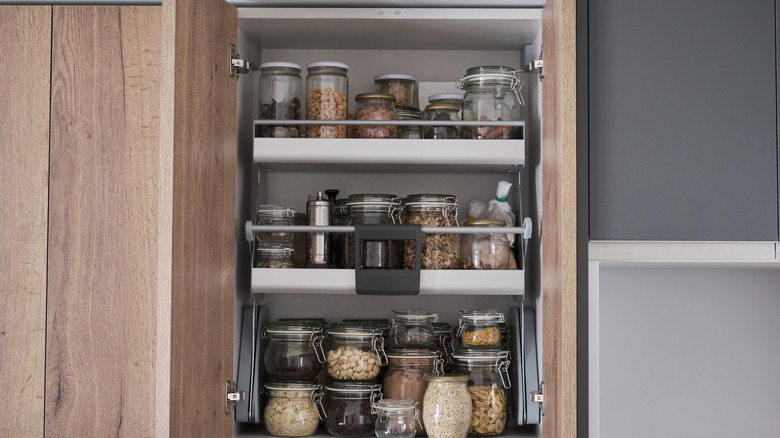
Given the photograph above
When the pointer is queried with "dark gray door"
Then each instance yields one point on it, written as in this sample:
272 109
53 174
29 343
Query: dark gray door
683 120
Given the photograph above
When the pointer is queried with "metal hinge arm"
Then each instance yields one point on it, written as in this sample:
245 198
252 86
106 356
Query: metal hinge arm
232 396
538 397
238 66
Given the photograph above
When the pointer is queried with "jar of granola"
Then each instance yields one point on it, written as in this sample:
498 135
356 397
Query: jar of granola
479 328
293 409
327 91
375 106
439 250
488 388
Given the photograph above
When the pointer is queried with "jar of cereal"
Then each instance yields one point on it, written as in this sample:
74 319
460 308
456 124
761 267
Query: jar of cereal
439 250
488 388
293 409
327 91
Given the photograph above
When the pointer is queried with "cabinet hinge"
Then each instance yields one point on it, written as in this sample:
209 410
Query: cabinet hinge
232 396
238 66
538 397
537 66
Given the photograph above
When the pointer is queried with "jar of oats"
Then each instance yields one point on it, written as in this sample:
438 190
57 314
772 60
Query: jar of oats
447 406
354 351
375 106
479 328
293 409
488 387
438 250
327 91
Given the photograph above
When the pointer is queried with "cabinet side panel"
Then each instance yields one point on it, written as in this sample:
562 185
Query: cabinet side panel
559 220
101 312
25 40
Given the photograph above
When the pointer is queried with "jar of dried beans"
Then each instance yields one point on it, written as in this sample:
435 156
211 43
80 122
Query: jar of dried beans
480 328
348 406
374 208
294 350
492 93
292 409
354 351
327 92
405 377
488 388
280 98
485 250
439 250
375 106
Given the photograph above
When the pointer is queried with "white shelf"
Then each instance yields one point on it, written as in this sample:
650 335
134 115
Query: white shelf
432 282
684 253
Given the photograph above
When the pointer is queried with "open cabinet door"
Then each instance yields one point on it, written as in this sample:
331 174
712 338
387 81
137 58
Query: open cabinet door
198 183
559 224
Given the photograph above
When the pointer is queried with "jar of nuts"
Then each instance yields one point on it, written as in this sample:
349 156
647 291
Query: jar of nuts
479 328
375 106
348 406
293 409
402 86
412 328
327 91
294 350
488 385
354 352
439 250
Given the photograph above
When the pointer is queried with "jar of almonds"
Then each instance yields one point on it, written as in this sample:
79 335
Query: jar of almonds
438 250
354 352
488 387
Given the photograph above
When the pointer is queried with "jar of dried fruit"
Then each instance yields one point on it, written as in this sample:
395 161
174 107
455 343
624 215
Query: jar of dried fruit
354 351
479 328
438 250
488 387
280 98
492 93
327 92
375 106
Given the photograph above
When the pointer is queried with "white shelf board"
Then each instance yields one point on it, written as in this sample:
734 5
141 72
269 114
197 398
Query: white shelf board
432 282
684 253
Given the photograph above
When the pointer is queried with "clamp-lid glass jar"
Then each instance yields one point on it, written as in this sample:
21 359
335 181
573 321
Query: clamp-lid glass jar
488 385
349 408
492 93
294 350
479 328
447 403
442 112
438 250
327 93
275 255
402 86
292 408
412 328
442 342
375 106
270 214
354 352
280 98
486 250
396 418
405 377
409 113
373 208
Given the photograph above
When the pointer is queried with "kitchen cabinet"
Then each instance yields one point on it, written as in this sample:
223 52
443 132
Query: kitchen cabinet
682 121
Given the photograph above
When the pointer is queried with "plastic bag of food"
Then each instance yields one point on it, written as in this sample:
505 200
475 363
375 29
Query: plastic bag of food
477 209
500 209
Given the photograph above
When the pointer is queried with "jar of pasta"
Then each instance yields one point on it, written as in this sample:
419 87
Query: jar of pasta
438 250
488 387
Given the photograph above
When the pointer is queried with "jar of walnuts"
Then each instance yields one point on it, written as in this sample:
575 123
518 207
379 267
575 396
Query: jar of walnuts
438 250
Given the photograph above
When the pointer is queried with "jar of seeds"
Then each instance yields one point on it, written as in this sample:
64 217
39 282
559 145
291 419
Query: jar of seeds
447 406
439 250
327 91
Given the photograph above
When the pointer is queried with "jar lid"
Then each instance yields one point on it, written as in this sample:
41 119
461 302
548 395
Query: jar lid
275 210
445 96
369 96
442 328
482 314
479 354
398 76
408 112
411 353
442 106
280 64
431 199
395 405
368 386
328 64
292 386
485 223
353 329
296 327
448 378
490 75
321 322
415 315
381 199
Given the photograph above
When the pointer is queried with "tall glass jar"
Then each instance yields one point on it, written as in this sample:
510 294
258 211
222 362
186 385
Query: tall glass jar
479 328
442 112
375 106
327 93
440 250
292 409
409 113
373 208
280 98
349 408
492 93
354 351
396 418
485 250
294 350
405 377
447 406
488 387
412 328
442 342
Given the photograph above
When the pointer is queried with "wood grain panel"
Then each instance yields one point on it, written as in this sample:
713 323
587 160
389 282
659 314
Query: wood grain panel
559 220
198 152
100 359
25 53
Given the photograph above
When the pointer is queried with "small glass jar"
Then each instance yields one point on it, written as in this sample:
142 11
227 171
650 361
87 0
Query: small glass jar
479 328
292 409
402 86
447 404
441 250
375 106
492 93
442 112
485 250
405 377
280 98
270 214
396 418
294 350
327 93
409 113
488 387
442 342
273 255
348 408
354 352
412 328
373 208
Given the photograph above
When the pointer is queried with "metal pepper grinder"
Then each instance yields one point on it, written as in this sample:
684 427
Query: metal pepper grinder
319 211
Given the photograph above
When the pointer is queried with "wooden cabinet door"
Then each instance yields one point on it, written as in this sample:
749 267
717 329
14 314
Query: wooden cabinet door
25 53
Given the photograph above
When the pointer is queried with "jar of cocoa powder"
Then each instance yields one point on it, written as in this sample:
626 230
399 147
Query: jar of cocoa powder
405 377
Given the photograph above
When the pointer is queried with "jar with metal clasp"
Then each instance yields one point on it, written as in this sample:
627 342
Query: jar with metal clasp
349 408
480 328
294 350
438 250
488 372
406 374
492 93
410 114
354 351
373 208
292 409
396 418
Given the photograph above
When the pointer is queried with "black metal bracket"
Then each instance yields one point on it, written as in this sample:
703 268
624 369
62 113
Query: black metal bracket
387 281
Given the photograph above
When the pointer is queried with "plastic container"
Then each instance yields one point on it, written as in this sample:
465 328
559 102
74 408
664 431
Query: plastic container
327 97
412 328
375 106
439 251
492 93
447 403
444 112
294 350
409 113
402 86
488 387
373 208
480 328
349 408
280 98
292 409
354 351
396 418
485 250
405 377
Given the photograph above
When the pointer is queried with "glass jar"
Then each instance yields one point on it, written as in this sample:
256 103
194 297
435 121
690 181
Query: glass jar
375 106
292 409
441 250
405 377
488 385
348 408
443 112
294 350
374 208
479 328
280 98
402 86
274 255
354 352
409 113
492 93
412 328
340 218
450 98
447 406
485 250
442 343
396 418
327 92
270 214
